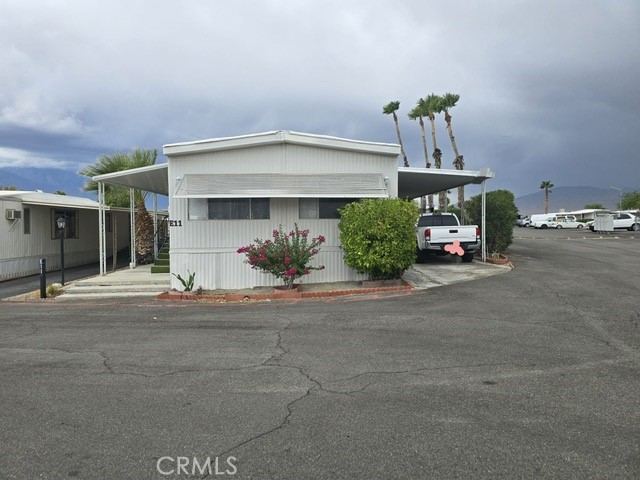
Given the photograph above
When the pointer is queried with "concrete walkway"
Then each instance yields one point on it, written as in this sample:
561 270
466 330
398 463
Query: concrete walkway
136 282
446 272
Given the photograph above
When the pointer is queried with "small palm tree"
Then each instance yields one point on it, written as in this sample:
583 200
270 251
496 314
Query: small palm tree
546 186
117 196
449 100
417 114
390 109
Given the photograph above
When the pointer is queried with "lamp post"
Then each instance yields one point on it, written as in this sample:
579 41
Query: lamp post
620 191
61 224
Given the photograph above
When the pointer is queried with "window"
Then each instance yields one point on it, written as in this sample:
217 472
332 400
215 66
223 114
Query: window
437 220
322 207
229 209
71 223
26 220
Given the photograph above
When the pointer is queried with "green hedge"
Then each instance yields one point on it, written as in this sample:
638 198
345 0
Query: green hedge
378 236
500 216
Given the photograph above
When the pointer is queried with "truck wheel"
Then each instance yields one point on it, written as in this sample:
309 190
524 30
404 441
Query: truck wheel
419 256
580 227
544 225
468 257
635 227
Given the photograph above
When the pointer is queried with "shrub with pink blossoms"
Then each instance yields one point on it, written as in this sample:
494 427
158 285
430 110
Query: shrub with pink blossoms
287 256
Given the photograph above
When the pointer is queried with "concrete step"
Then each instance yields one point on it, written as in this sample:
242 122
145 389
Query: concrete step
68 297
160 280
80 289
162 261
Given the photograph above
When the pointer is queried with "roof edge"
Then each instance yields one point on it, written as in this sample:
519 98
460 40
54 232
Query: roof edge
279 137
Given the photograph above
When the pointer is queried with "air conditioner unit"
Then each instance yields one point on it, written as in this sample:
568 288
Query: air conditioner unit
11 214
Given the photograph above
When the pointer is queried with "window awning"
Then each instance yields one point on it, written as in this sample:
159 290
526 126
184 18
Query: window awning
339 185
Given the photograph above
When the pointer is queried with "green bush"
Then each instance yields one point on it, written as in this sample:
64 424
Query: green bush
378 236
500 216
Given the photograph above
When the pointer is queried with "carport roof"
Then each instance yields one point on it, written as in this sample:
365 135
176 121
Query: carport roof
154 178
417 182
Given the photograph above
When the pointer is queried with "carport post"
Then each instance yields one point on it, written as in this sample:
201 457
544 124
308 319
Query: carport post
155 226
101 230
132 216
483 236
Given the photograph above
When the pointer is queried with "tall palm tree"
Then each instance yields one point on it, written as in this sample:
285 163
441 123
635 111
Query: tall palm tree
433 105
546 186
117 196
449 100
390 109
418 113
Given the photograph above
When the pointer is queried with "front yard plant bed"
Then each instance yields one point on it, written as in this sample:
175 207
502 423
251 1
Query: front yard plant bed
313 290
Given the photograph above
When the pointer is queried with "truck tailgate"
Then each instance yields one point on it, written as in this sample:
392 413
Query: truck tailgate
463 233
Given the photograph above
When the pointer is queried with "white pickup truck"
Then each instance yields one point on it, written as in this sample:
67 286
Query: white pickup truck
437 230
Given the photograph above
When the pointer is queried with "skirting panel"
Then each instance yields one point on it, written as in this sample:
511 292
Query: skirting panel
226 270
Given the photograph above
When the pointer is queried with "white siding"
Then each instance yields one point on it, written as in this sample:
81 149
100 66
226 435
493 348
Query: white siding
208 247
20 253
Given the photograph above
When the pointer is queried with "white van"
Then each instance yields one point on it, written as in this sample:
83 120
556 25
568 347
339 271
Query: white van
551 220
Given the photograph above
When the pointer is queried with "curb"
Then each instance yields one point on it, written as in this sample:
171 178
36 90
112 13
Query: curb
281 295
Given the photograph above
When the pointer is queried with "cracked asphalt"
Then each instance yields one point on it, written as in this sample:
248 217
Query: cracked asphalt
530 374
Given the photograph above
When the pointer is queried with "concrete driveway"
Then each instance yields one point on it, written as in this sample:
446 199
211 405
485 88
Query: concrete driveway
530 374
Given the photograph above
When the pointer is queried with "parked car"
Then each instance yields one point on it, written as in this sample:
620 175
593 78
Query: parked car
623 221
558 221
435 231
523 221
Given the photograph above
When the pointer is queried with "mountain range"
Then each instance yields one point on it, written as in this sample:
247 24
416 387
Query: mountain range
568 199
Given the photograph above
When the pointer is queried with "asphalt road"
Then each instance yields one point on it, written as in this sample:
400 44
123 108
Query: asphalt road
530 374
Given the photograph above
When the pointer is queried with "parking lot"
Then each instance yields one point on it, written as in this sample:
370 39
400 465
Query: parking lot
531 374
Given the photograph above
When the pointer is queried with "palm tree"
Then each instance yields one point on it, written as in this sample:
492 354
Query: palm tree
391 108
418 113
449 101
546 186
118 196
432 105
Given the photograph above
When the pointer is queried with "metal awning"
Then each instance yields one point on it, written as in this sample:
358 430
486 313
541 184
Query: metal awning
417 182
154 178
338 185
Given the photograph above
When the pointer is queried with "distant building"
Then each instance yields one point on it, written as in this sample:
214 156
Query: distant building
28 231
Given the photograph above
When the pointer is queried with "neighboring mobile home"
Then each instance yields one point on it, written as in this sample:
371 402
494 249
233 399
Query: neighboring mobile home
226 192
28 231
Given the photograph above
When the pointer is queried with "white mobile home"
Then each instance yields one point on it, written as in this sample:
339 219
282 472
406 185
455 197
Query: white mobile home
226 192
28 231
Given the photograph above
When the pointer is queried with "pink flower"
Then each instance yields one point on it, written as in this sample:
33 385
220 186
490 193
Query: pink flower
321 239
276 233
307 271
287 260
314 251
291 272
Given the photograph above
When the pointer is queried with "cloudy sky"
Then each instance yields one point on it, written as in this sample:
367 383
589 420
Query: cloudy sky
549 88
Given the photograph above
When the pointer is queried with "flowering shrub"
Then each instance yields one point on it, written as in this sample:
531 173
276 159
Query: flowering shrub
287 256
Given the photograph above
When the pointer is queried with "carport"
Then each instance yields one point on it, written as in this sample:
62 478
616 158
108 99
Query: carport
418 182
152 179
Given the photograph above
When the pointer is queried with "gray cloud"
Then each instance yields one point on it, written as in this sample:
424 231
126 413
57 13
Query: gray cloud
548 88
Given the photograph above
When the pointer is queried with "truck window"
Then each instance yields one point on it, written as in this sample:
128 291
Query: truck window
437 221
